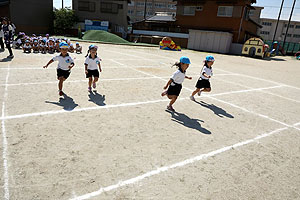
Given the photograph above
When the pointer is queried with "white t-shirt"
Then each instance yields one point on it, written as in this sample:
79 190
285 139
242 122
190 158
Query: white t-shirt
92 63
178 77
63 62
207 71
27 46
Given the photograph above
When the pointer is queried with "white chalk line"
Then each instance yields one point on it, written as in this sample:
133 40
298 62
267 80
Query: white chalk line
117 105
175 165
4 142
266 92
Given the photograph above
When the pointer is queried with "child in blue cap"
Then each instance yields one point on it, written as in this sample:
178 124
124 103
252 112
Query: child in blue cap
203 84
65 64
174 85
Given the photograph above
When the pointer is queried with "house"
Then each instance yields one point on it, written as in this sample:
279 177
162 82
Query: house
230 16
113 11
30 16
136 9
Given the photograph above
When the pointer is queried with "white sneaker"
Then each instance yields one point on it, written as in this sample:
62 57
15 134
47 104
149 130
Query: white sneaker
192 98
199 93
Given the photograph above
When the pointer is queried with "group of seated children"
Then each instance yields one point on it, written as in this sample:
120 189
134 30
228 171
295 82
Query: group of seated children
42 44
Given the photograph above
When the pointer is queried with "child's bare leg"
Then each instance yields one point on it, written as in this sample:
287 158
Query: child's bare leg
60 83
95 80
196 91
206 89
90 81
173 99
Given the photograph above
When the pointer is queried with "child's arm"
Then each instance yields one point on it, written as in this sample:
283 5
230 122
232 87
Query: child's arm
100 67
205 75
188 77
169 82
86 71
51 61
72 65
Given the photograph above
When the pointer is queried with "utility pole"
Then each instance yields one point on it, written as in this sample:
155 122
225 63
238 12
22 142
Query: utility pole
62 3
288 26
278 20
145 11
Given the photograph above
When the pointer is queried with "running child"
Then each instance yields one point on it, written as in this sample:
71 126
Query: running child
92 63
203 84
174 85
65 64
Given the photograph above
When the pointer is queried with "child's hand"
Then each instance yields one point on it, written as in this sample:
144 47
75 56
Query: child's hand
70 67
45 66
86 72
209 76
100 69
165 87
190 78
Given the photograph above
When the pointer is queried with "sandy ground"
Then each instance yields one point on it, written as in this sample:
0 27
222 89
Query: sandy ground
65 148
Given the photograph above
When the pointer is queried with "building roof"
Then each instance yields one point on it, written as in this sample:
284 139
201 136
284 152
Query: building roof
162 17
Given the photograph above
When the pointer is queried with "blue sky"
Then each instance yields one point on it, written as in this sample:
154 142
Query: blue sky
271 8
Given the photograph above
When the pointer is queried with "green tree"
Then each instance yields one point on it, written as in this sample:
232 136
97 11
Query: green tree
64 19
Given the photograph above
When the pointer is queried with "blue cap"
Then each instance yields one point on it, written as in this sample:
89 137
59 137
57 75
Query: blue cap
63 45
185 60
210 58
92 47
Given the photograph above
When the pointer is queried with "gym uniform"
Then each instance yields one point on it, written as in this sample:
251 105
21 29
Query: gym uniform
203 81
92 66
176 85
63 65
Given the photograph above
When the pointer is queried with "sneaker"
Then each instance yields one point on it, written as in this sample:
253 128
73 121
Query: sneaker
164 93
94 85
199 93
61 93
192 98
10 56
90 89
170 108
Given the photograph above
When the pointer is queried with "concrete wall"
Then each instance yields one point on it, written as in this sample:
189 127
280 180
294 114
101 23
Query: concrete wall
32 16
118 19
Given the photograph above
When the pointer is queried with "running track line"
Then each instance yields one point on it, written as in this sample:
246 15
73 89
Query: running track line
4 142
119 105
176 165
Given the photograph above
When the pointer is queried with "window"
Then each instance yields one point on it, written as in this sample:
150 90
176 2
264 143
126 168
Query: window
120 6
86 6
288 35
258 50
267 23
109 8
291 26
131 4
265 32
296 36
189 10
140 4
149 5
171 7
160 5
297 26
225 11
140 13
130 12
199 8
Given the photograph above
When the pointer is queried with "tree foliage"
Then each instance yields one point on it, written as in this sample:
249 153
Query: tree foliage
64 19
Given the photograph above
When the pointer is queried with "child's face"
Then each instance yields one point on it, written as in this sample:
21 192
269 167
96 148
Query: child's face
93 51
210 63
184 66
64 51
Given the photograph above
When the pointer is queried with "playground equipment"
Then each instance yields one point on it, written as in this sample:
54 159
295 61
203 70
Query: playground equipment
167 44
255 47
